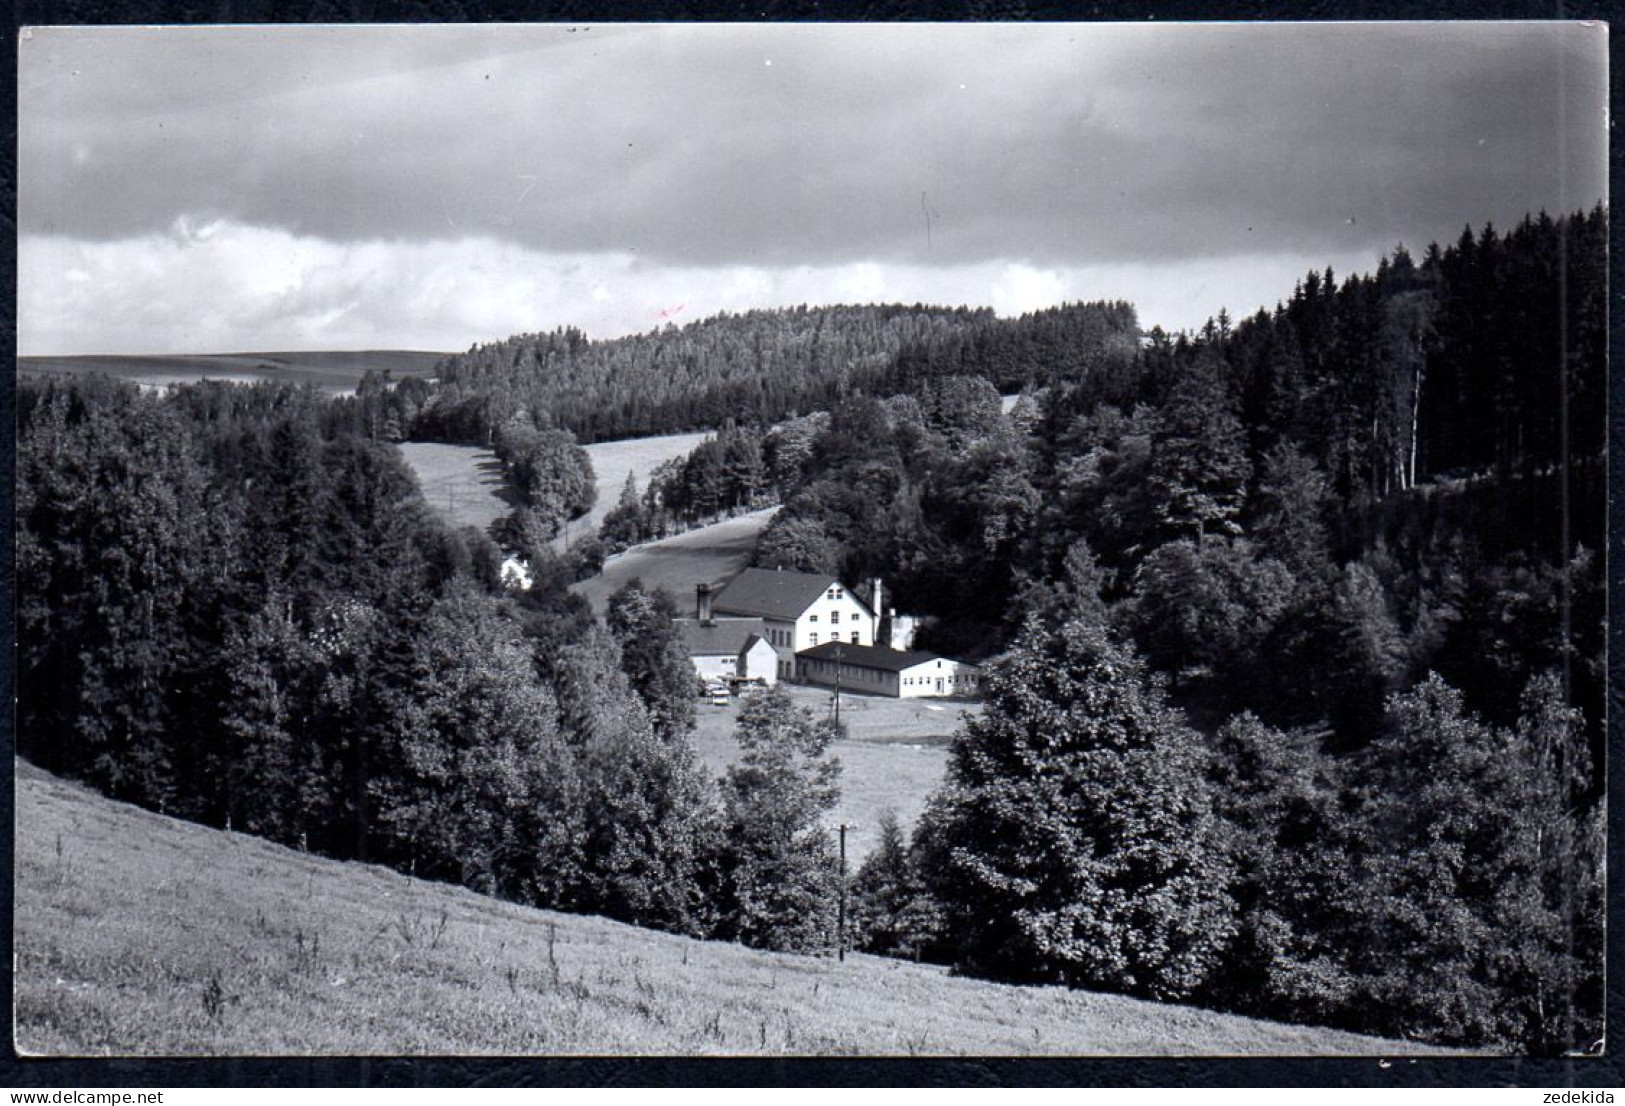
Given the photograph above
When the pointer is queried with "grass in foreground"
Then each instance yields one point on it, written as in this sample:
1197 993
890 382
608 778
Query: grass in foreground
140 935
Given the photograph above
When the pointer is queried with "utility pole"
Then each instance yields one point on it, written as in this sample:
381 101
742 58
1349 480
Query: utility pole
840 939
838 655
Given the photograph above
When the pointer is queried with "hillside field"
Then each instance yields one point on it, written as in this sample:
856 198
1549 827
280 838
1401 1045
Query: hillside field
140 935
611 461
707 555
895 754
334 371
464 483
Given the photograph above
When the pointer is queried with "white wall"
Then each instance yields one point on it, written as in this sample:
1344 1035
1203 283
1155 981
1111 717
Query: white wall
761 662
709 667
843 614
939 678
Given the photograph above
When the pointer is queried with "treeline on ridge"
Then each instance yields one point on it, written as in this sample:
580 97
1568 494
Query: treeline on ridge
755 367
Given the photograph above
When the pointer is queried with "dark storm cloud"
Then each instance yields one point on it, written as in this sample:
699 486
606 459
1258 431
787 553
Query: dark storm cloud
778 146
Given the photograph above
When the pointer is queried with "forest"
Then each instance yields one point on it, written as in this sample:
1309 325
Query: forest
1294 631
1339 562
757 367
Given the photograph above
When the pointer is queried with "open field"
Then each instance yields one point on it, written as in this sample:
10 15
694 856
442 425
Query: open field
712 553
611 461
463 482
140 935
336 371
894 756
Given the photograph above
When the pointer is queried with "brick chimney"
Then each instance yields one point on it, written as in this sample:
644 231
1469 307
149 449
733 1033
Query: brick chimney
702 603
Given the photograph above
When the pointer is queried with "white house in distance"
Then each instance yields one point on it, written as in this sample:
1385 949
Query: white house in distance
798 610
876 670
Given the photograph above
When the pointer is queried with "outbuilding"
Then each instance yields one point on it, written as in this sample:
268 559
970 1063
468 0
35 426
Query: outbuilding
876 670
730 648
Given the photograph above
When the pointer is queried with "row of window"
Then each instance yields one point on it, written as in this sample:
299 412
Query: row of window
835 616
812 638
963 677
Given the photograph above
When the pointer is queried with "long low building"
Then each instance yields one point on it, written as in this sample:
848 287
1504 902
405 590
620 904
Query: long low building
875 670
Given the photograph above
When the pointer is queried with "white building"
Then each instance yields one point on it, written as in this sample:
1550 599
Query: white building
876 670
729 648
515 573
798 610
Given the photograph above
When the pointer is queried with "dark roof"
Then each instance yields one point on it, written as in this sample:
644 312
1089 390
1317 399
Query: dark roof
869 656
723 637
767 593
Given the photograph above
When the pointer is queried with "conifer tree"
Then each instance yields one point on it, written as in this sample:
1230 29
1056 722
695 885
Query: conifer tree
1199 465
892 912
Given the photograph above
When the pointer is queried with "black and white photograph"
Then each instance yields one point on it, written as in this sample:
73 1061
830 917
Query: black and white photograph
811 540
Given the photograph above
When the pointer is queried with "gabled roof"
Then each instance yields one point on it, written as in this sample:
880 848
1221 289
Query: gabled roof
766 593
723 637
870 656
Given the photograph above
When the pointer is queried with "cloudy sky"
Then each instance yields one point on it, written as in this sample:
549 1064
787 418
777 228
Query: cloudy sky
212 189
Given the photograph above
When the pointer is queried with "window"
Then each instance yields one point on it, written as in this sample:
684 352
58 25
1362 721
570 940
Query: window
856 616
854 637
813 637
812 618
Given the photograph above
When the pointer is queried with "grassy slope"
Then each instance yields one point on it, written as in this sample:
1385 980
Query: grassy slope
141 935
462 482
611 461
707 555
332 370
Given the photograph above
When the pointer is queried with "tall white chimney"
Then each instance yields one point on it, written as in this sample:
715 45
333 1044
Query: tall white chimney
875 595
702 603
